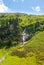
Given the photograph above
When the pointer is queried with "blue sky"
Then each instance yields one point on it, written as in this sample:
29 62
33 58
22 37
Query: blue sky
22 6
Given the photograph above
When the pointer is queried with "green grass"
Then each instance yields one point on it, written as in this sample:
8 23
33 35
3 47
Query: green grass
36 41
2 52
35 57
15 60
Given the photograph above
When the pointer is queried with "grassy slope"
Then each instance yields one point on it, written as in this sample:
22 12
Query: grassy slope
2 52
37 42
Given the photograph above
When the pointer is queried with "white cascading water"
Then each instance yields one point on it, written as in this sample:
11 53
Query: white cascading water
24 36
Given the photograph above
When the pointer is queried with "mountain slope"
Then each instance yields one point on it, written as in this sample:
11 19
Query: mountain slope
37 40
32 53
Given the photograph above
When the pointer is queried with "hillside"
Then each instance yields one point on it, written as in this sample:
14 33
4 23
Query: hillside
36 41
12 27
31 54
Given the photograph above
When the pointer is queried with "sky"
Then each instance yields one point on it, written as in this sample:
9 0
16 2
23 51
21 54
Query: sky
22 6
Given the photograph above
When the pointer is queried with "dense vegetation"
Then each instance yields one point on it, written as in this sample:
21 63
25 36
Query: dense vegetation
11 29
12 25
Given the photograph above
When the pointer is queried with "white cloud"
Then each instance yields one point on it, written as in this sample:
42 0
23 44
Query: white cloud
37 8
22 0
14 0
3 7
18 0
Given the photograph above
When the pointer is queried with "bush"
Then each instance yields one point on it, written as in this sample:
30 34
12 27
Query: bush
19 53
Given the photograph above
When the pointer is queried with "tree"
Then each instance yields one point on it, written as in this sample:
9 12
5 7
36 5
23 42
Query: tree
16 30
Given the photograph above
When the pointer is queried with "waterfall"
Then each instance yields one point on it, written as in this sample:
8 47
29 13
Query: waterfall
24 36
